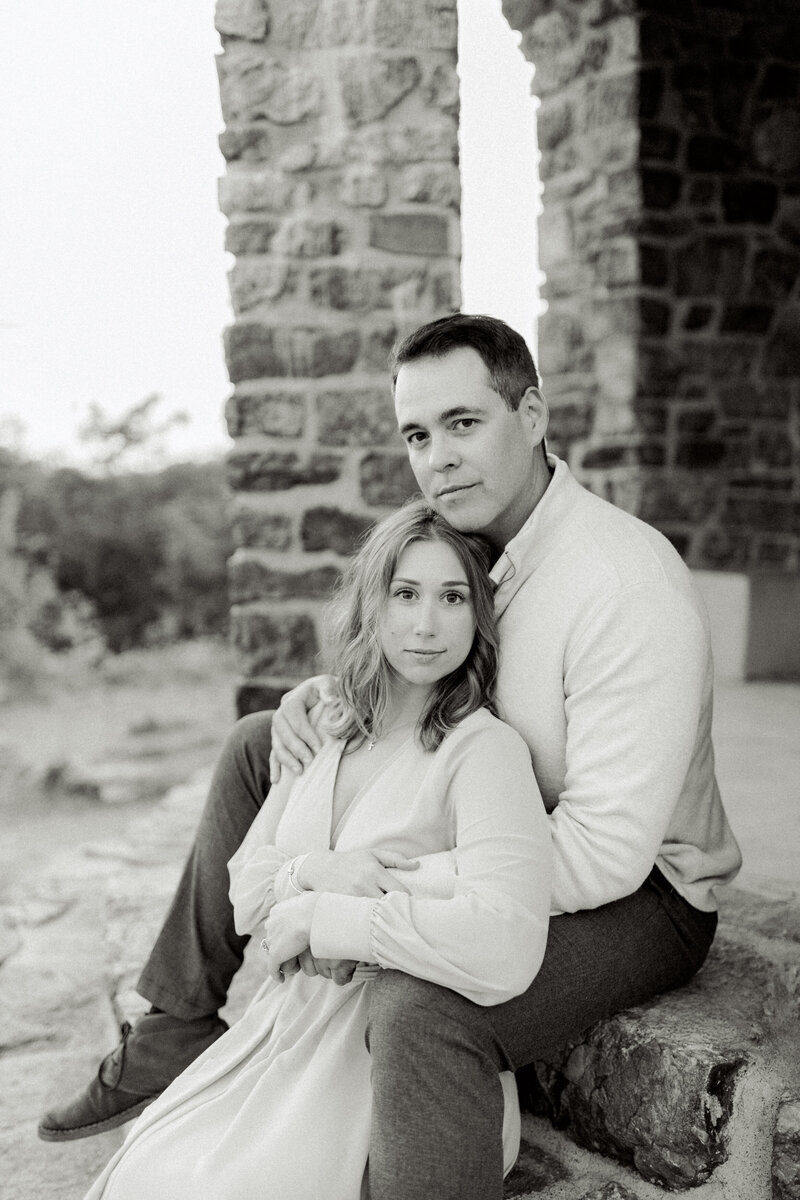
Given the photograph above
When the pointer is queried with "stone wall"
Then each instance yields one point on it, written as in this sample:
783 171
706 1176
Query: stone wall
670 140
342 193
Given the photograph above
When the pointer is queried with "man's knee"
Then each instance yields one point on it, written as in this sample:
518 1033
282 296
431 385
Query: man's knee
406 1011
253 730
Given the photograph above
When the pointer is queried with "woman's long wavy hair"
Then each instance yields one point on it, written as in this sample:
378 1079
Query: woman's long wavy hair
353 617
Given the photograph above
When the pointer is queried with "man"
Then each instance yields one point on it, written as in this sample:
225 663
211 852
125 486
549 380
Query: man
606 672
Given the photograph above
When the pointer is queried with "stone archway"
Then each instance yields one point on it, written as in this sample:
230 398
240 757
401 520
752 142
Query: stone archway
671 241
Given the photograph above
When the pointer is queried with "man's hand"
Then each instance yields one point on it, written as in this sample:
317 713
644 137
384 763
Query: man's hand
354 872
294 739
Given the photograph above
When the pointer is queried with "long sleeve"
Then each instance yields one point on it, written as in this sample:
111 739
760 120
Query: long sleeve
633 689
486 941
256 863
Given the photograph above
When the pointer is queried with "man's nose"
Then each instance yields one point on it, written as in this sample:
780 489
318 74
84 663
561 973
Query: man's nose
442 455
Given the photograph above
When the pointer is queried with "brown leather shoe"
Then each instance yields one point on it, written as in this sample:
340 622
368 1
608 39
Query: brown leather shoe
150 1055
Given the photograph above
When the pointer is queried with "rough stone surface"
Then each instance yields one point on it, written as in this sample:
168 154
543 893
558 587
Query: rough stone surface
242 18
277 470
357 418
786 1151
255 351
274 643
328 528
386 480
277 413
253 578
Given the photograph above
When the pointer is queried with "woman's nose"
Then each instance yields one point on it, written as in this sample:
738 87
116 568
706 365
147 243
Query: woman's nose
426 618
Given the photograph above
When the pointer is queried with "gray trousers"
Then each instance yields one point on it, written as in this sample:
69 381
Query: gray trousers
437 1106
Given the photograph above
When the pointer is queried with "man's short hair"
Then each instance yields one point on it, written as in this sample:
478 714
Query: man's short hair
504 352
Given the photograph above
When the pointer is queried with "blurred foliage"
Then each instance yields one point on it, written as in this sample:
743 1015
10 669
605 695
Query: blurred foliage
138 558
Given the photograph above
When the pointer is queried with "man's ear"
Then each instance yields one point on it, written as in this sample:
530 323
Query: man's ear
534 408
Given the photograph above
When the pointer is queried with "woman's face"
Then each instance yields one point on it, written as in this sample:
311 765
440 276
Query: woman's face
427 623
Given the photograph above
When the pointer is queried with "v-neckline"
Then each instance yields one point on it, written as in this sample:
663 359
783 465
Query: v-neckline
335 831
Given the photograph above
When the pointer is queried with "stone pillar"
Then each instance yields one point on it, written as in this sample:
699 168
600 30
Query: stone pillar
342 194
670 142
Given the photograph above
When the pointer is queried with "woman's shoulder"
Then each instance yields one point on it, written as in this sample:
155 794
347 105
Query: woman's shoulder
484 727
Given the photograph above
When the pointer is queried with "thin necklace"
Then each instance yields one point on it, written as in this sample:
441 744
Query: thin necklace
372 741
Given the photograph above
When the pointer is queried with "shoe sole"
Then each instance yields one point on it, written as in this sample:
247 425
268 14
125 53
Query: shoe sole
84 1131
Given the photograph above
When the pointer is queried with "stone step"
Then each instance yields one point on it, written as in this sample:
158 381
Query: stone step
695 1090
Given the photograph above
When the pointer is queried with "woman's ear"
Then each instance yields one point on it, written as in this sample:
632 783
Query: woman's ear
533 408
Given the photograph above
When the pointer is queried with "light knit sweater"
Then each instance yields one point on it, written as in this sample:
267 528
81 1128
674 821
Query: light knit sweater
606 672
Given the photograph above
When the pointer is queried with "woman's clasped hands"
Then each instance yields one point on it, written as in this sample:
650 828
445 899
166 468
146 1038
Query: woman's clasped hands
287 929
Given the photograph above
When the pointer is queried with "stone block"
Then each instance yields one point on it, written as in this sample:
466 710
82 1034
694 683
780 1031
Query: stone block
440 87
242 19
781 356
569 422
786 1151
372 85
276 413
562 343
254 351
673 1128
610 101
698 453
698 317
393 144
752 400
749 201
418 23
555 123
259 190
410 233
274 643
711 265
254 281
746 318
253 86
709 152
311 237
653 265
327 528
364 187
345 288
658 142
776 142
386 480
250 237
378 343
257 529
654 316
279 470
249 143
362 417
661 188
253 578
774 273
438 183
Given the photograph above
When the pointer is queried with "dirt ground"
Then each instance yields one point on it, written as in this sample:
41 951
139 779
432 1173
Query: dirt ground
89 748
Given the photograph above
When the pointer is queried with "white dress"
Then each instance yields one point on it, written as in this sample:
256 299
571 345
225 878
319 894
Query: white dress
280 1105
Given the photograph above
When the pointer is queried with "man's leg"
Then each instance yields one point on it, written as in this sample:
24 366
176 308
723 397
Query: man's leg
194 958
438 1106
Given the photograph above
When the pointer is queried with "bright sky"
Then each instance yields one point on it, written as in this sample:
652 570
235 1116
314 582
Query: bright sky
112 273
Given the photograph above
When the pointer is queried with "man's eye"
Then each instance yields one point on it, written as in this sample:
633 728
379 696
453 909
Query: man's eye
464 423
417 438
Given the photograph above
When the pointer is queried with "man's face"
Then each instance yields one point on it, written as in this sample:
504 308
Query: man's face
474 459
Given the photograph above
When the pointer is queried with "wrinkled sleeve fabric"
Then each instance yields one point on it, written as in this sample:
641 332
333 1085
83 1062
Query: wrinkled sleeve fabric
255 865
633 684
487 940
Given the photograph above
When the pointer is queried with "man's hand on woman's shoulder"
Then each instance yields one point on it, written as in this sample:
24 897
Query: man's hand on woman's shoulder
295 741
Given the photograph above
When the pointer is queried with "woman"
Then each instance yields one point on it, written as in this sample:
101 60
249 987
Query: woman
414 767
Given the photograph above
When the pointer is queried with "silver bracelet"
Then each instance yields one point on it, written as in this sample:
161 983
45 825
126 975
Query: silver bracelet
294 867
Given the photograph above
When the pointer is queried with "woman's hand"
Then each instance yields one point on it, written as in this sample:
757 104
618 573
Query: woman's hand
287 933
294 739
354 872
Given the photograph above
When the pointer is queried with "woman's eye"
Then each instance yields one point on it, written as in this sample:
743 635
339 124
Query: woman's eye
404 594
453 598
